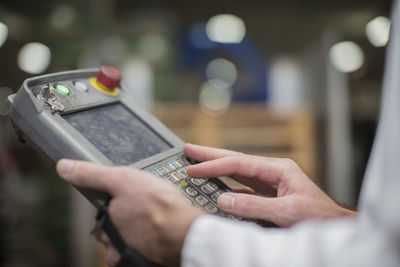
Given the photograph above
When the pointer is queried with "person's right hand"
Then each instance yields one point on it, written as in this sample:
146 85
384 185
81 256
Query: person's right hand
279 191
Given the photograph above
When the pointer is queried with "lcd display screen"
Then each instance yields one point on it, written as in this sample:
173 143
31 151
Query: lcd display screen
118 133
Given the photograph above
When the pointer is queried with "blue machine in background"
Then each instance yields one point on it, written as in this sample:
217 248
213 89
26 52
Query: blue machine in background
197 50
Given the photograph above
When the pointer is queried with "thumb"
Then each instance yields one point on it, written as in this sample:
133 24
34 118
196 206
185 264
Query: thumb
252 206
89 175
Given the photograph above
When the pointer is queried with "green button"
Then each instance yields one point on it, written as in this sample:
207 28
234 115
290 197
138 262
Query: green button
62 89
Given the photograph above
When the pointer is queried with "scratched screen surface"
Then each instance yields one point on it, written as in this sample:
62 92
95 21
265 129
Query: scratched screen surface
118 133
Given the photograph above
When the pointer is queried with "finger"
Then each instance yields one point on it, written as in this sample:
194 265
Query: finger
242 189
203 153
252 206
258 186
88 175
112 255
268 170
102 237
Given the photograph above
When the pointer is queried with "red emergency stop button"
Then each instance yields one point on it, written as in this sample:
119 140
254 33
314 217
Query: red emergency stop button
109 77
107 80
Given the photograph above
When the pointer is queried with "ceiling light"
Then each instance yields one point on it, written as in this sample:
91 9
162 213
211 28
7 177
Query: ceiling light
34 58
3 33
346 56
215 97
225 28
378 31
221 69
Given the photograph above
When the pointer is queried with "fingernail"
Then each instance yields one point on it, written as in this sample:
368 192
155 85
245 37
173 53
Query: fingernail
226 201
64 167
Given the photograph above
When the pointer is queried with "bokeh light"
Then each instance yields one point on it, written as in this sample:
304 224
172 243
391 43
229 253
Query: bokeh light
62 17
113 49
215 97
378 31
34 58
286 85
139 81
226 28
3 33
346 56
221 69
153 47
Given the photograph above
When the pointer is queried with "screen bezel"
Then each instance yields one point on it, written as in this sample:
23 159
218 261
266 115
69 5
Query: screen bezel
131 121
152 123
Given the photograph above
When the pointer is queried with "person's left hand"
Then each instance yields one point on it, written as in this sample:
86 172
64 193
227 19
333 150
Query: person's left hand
151 215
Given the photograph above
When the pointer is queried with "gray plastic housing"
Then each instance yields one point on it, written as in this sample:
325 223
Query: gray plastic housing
48 132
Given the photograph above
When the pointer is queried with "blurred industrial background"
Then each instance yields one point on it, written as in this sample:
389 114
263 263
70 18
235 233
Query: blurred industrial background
287 78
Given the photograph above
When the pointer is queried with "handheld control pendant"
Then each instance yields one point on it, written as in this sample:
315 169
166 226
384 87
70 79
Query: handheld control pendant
87 115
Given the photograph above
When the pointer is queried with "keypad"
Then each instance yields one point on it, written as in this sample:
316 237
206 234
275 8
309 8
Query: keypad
177 176
211 208
197 181
183 172
191 191
209 187
201 200
168 167
200 192
171 178
161 171
176 164
215 195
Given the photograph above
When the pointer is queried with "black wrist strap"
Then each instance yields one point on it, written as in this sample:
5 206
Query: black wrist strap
129 256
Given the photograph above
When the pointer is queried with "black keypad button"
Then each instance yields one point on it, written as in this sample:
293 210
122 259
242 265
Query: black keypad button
201 200
162 171
172 179
211 208
191 191
175 164
209 187
197 181
183 172
168 167
216 195
214 186
178 176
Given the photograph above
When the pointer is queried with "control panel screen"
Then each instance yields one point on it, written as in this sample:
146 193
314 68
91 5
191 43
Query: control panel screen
118 133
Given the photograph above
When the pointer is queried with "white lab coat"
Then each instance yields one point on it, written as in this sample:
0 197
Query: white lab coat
373 239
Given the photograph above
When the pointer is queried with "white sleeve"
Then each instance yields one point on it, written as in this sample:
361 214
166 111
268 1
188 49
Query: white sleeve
216 242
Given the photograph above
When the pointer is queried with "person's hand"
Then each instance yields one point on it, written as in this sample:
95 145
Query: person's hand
277 189
151 215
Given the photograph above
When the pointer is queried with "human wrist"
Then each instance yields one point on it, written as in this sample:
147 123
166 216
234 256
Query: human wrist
340 211
175 234
348 212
